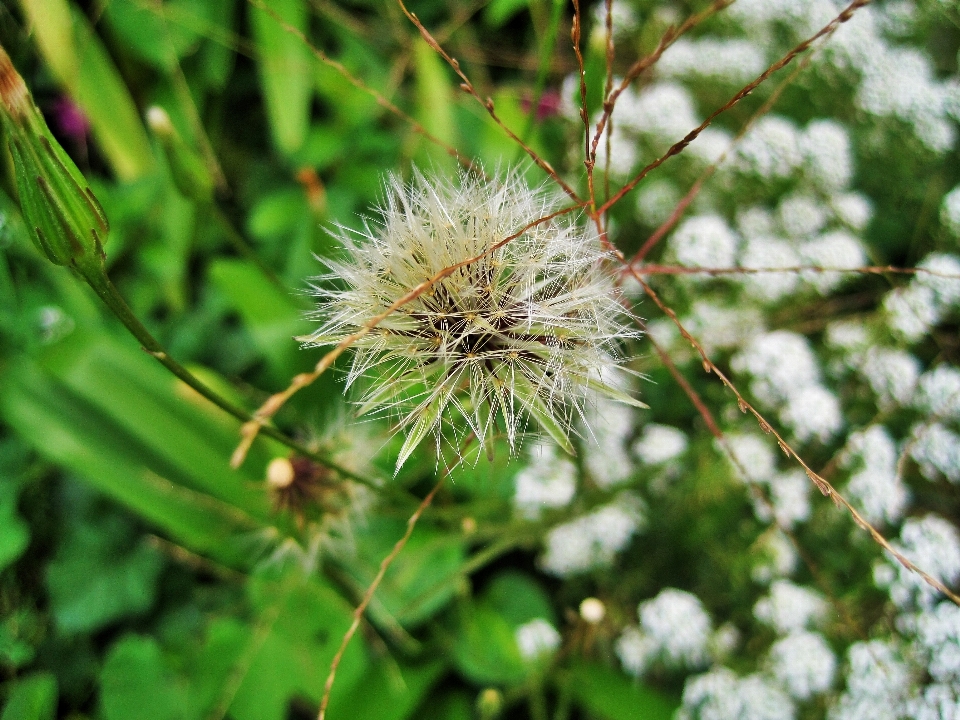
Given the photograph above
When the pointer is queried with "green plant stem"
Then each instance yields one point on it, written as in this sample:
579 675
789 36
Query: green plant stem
242 245
98 280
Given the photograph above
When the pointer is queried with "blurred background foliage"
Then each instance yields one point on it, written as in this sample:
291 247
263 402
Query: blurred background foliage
143 578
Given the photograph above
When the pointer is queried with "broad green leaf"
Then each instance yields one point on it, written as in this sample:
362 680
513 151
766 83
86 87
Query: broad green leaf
421 580
33 697
388 691
136 682
272 317
102 572
88 73
76 435
158 33
285 66
498 12
14 532
434 102
611 695
519 598
192 439
298 631
485 648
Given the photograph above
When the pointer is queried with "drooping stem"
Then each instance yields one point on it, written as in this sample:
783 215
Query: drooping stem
97 278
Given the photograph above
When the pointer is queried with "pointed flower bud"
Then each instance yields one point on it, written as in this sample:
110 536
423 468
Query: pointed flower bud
189 174
67 222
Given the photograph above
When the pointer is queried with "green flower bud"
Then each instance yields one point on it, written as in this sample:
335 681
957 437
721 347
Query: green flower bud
67 222
189 173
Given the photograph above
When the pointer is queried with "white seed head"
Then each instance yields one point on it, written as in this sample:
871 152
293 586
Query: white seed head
518 329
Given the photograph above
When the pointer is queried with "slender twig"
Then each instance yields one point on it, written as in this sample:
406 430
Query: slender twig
368 595
865 270
487 103
678 147
108 293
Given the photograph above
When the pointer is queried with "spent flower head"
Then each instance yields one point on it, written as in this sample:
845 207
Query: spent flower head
509 315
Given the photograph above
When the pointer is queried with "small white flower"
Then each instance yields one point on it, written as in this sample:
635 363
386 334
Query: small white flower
790 607
524 331
548 481
659 444
930 543
592 541
704 241
804 663
536 639
678 626
721 695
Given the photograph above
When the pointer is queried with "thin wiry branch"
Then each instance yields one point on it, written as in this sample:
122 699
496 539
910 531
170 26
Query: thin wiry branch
678 147
685 202
362 86
865 270
487 103
822 484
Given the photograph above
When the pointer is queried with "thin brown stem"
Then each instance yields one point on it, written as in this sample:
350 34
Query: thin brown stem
678 147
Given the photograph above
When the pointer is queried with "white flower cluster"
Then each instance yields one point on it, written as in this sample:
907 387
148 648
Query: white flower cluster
549 480
593 540
931 543
790 608
721 695
536 639
675 631
934 445
659 444
728 59
785 374
912 311
803 663
876 488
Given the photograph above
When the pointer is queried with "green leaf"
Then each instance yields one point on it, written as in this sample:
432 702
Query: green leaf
419 582
498 12
33 697
519 598
610 695
136 682
75 435
299 629
88 73
434 102
14 532
388 691
285 67
101 572
485 648
271 316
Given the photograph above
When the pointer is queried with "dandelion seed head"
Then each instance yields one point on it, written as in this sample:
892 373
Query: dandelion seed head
507 331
